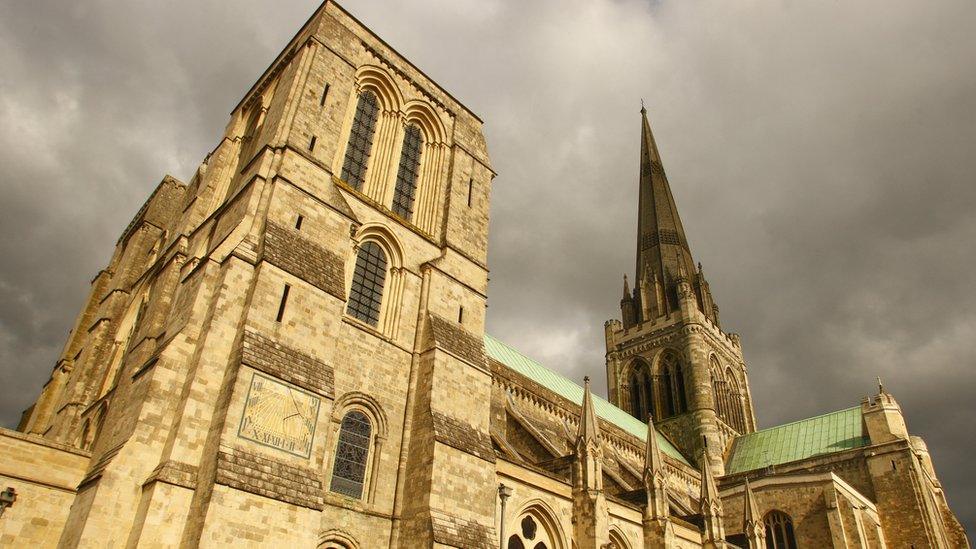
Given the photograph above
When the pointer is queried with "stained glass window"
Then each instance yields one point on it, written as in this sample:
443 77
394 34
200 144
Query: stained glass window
360 140
406 183
366 294
779 531
352 452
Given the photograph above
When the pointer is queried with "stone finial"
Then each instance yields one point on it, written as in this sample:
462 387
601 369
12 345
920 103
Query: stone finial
752 525
589 427
626 288
655 479
652 452
710 505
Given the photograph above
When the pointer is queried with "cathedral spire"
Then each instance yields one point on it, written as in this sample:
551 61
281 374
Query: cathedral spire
662 247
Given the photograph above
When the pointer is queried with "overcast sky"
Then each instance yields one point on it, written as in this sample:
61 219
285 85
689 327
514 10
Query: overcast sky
821 155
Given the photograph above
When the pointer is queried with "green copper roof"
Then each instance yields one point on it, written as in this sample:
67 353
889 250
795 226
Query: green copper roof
826 434
565 388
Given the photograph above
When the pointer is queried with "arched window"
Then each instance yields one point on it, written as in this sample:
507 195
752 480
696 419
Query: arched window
736 415
406 182
720 394
666 392
779 531
617 540
360 140
680 403
366 294
351 455
529 535
641 391
672 386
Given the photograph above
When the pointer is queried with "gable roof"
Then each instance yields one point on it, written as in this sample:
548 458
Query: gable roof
569 390
825 434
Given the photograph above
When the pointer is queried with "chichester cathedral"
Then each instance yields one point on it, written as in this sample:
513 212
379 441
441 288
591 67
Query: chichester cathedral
288 350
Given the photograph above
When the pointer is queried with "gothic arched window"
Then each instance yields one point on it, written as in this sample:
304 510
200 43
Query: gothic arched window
351 455
530 535
406 182
779 531
680 402
366 294
641 391
360 140
672 386
736 414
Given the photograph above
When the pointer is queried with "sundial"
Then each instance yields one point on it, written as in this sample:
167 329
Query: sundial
279 415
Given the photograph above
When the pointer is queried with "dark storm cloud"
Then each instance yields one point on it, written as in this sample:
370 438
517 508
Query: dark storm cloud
819 153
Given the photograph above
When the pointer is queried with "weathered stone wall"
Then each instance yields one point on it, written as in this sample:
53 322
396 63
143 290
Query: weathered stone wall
45 475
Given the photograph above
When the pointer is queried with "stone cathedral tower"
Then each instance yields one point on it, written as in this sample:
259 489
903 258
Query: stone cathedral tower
669 358
282 336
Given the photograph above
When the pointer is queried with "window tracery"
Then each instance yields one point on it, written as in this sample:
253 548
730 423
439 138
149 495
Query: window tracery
779 531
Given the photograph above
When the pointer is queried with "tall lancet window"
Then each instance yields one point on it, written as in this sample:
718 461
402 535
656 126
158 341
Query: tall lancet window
406 183
360 140
366 294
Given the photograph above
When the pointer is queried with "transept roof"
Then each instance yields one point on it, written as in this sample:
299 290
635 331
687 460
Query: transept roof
824 434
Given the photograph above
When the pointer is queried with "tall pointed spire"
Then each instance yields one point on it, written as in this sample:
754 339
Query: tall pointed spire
652 451
589 428
590 515
662 247
710 506
655 478
752 525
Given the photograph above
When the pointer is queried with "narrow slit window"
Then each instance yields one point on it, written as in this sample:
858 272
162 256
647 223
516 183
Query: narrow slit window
360 140
460 315
470 190
298 222
368 280
311 144
325 93
281 305
408 173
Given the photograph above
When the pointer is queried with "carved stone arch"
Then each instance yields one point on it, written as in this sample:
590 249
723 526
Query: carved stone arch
383 84
670 370
386 239
85 436
617 539
545 517
639 379
422 114
337 539
389 314
356 400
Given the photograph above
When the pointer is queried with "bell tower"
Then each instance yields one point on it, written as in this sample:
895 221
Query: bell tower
668 357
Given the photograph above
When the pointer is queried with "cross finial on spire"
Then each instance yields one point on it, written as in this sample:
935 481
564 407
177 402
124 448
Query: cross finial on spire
643 110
